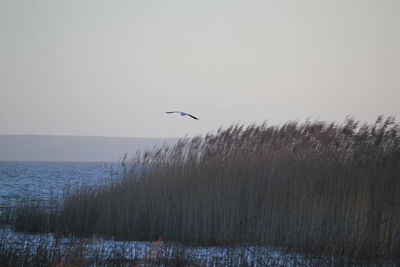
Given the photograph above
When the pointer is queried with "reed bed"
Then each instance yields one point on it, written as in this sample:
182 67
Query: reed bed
313 187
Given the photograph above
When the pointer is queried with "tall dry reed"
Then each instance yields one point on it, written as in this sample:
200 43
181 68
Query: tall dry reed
312 187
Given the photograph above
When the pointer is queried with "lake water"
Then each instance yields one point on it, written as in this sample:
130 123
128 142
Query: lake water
41 180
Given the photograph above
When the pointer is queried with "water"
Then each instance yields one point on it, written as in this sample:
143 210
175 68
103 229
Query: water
130 250
41 180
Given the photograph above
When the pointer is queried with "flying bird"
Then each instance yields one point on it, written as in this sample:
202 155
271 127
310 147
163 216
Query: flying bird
182 114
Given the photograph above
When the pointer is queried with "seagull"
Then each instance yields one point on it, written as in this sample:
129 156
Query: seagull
182 114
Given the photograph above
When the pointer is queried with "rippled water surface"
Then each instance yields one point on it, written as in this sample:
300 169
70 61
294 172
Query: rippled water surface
40 180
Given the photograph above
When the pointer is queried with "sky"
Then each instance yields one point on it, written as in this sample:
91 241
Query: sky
112 68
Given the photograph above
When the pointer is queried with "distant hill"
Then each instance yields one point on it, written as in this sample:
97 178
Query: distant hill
73 148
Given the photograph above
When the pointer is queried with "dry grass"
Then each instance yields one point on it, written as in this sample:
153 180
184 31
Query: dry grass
330 189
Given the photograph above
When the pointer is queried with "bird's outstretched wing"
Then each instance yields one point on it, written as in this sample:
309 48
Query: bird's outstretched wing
172 112
192 116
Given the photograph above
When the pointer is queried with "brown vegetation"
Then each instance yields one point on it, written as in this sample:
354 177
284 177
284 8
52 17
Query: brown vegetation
312 187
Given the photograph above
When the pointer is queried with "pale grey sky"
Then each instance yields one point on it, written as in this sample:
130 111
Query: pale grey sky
111 68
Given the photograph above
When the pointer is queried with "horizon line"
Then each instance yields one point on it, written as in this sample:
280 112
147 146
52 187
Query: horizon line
95 136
